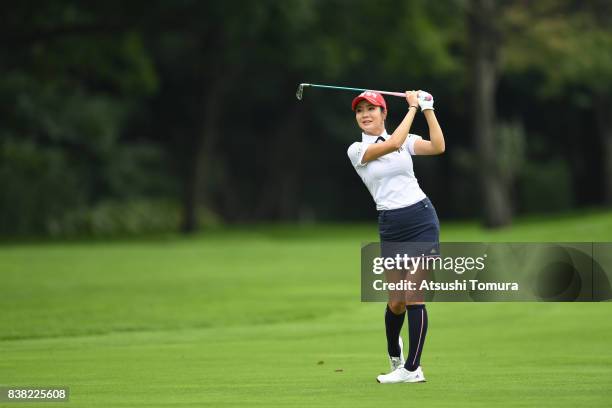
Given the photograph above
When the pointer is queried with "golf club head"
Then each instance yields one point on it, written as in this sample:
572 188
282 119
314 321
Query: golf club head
300 91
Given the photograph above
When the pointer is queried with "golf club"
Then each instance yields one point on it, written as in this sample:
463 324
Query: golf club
300 91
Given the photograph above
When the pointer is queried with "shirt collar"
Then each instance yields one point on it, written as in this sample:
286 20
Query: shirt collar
372 139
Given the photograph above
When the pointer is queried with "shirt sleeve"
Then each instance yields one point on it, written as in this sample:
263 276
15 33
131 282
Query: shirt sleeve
355 153
409 143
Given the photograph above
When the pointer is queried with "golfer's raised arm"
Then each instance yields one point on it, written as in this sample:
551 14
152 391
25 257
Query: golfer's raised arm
435 144
398 137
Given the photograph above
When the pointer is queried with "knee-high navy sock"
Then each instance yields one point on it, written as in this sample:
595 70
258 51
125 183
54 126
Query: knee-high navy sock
417 330
393 326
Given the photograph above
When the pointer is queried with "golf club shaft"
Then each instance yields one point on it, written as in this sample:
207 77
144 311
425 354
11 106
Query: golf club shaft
400 94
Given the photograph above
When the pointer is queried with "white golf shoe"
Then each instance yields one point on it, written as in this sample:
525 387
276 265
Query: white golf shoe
397 362
401 375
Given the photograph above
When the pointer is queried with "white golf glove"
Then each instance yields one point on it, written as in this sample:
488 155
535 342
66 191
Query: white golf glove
426 100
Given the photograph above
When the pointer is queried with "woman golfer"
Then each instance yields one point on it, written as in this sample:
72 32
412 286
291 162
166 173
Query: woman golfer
405 214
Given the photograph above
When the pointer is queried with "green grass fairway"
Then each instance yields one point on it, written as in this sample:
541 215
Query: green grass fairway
270 316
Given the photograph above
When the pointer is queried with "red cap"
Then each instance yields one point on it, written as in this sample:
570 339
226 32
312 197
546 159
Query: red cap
374 98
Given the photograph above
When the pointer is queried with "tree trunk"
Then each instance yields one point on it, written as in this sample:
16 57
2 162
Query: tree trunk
279 197
484 40
197 181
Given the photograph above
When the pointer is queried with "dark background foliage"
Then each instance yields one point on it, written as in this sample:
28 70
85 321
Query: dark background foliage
128 117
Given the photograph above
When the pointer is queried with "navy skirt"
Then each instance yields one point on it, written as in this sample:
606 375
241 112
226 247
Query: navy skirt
412 230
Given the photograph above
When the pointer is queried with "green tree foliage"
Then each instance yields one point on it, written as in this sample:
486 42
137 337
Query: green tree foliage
567 44
155 109
69 83
566 40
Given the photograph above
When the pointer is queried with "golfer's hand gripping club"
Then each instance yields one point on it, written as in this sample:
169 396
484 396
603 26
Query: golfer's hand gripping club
426 101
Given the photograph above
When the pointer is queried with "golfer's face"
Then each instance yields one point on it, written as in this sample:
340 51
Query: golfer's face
369 118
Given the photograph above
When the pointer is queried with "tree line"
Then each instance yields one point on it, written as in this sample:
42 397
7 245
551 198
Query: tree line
137 116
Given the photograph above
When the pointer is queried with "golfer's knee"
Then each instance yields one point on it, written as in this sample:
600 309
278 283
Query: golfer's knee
397 307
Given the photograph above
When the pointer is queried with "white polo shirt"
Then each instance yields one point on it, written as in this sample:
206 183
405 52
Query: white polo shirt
390 178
